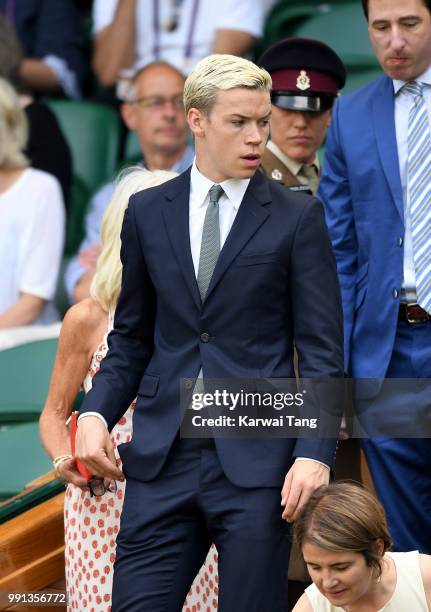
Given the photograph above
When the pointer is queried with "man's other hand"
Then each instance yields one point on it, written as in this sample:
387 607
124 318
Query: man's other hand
303 478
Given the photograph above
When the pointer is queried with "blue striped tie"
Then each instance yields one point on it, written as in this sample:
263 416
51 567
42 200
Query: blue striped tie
419 190
210 245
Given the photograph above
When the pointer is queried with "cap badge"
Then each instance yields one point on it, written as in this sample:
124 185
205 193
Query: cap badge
276 175
303 81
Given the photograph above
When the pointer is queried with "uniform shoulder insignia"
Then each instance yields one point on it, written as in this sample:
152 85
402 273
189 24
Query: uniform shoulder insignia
276 175
303 81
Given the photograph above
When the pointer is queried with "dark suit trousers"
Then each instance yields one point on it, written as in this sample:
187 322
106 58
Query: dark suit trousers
167 526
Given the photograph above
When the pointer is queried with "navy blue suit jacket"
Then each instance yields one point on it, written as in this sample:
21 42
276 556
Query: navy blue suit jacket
275 282
362 194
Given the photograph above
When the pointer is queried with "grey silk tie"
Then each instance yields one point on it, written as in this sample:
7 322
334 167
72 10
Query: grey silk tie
210 246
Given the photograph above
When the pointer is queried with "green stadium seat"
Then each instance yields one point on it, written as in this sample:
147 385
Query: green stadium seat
22 457
92 131
344 28
25 372
75 224
61 298
359 78
132 148
287 15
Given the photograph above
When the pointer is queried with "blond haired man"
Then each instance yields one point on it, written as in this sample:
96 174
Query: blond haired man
223 271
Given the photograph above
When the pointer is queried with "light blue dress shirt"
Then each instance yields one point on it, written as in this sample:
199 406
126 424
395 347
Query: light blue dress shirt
403 103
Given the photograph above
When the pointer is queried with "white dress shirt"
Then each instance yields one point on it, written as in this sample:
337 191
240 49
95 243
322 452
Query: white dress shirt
403 103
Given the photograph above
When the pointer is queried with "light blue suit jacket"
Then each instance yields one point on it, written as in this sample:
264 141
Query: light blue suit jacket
362 194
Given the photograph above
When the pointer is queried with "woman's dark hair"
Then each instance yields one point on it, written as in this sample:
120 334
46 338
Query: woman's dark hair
365 3
344 516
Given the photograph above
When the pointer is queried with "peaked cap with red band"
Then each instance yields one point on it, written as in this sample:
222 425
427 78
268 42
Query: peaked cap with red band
306 74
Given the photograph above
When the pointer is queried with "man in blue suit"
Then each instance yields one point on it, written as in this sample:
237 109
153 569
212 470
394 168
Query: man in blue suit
223 270
376 192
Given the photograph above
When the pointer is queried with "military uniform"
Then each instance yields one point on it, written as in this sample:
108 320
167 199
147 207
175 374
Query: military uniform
287 171
306 77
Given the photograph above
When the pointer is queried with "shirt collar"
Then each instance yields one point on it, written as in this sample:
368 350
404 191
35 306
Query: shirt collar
425 77
292 165
182 164
186 160
200 186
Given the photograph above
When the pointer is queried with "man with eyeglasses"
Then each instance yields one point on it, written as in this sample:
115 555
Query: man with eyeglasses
154 110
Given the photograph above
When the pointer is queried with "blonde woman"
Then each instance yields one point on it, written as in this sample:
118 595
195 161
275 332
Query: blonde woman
92 522
31 224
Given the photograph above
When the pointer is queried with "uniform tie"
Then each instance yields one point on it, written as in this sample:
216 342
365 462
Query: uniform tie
309 171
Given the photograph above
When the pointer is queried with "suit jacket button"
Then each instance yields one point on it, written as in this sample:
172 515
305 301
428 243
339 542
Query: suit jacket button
205 337
188 384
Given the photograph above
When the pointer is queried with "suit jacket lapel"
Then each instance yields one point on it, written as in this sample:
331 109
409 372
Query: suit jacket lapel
384 125
176 216
251 214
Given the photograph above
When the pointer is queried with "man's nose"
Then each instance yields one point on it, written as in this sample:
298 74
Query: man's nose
254 135
397 42
170 109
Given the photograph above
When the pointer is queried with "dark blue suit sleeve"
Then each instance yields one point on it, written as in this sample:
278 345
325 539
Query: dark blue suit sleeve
56 30
131 342
317 316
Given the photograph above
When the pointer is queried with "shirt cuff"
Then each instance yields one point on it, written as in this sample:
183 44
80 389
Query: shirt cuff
65 76
297 458
96 414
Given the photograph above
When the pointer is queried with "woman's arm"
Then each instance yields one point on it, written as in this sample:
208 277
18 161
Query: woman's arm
303 604
76 345
425 565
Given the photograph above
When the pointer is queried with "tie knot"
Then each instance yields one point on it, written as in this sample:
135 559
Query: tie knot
309 170
414 88
216 192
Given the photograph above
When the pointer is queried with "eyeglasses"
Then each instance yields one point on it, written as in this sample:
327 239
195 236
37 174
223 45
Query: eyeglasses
97 487
158 102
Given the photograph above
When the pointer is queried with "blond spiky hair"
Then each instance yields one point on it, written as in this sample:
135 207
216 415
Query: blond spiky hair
220 72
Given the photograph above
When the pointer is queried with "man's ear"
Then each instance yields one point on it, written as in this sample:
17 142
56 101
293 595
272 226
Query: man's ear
329 118
128 112
197 121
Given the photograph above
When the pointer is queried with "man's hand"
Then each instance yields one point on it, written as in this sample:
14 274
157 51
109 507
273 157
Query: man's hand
303 478
94 448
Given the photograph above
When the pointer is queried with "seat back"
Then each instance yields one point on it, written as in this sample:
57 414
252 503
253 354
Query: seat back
344 28
22 457
25 372
92 131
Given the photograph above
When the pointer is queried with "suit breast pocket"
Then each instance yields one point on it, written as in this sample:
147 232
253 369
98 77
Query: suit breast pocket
148 386
256 259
